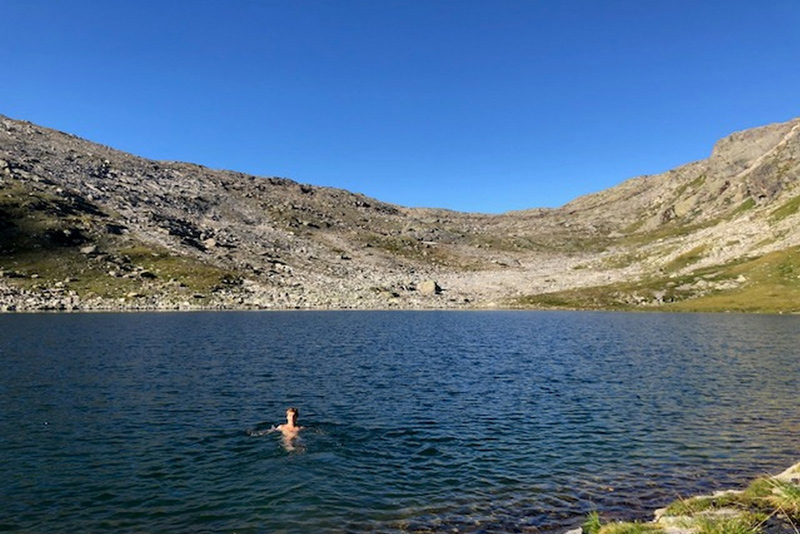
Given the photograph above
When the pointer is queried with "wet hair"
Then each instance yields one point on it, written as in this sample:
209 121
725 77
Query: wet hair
293 410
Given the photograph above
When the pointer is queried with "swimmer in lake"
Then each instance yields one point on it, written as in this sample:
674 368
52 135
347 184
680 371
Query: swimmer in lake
290 429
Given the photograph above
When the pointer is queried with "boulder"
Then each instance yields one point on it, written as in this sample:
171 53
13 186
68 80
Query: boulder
429 287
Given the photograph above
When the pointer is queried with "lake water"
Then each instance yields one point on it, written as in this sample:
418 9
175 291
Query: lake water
415 421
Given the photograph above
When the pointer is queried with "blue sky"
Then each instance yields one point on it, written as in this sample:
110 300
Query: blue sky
485 106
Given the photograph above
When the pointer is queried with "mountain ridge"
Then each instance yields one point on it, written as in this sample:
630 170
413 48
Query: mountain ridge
85 226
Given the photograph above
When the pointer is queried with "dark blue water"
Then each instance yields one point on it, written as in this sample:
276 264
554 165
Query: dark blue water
415 421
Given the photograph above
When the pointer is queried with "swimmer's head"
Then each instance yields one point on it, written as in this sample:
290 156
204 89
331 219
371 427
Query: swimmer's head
291 415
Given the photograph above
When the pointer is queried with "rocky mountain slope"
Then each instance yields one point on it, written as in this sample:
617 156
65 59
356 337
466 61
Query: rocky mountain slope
84 226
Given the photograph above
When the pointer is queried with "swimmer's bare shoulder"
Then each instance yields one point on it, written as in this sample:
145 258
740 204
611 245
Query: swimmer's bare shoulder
290 427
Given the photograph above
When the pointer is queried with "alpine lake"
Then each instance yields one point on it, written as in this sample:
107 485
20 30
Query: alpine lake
414 421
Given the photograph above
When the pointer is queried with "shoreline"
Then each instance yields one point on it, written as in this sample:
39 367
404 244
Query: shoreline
16 300
213 309
770 504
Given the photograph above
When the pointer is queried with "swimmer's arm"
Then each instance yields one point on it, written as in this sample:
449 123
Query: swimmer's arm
272 429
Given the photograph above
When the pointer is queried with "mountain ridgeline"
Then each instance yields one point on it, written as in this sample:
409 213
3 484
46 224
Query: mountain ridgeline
87 227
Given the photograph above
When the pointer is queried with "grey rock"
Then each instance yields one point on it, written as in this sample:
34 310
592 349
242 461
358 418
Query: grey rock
429 287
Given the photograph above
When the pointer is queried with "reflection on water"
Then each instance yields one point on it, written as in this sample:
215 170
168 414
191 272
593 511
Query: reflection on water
415 421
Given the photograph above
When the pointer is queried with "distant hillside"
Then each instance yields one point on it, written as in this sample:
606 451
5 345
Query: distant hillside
84 226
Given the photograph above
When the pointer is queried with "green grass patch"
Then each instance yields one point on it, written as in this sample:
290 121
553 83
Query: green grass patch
687 258
758 489
621 260
735 512
771 285
593 523
752 499
632 228
629 528
670 230
194 274
698 182
41 268
789 208
744 523
693 185
46 268
745 206
785 497
705 503
593 298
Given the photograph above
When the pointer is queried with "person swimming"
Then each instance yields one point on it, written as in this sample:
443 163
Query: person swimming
290 429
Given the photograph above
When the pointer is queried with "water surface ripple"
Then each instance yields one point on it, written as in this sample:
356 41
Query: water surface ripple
416 421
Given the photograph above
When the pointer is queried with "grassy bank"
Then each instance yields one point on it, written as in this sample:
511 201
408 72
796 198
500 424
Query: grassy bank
767 284
769 505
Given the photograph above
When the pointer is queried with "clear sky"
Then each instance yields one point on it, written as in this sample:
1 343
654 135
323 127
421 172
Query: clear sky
488 106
